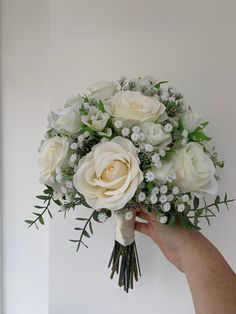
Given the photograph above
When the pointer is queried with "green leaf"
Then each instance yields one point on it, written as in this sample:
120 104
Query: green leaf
198 136
158 85
47 191
49 213
81 219
90 227
86 234
181 125
195 202
101 106
30 222
150 186
39 207
78 228
41 220
58 202
204 124
217 199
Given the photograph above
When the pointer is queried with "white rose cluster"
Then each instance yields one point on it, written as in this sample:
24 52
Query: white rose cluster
128 141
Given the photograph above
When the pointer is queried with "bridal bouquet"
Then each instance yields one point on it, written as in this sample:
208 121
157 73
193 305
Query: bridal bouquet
124 147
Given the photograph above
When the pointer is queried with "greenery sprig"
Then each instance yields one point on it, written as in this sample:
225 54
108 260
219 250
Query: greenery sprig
47 198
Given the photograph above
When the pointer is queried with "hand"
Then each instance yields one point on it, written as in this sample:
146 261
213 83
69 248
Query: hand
173 242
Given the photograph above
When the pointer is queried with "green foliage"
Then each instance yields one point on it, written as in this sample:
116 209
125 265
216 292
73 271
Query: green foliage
46 198
206 211
84 231
198 135
158 85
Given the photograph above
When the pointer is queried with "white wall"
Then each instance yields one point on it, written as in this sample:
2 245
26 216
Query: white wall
25 103
192 44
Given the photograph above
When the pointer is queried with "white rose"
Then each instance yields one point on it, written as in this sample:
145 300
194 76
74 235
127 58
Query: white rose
109 175
67 120
194 170
102 90
165 174
133 107
52 154
191 120
155 135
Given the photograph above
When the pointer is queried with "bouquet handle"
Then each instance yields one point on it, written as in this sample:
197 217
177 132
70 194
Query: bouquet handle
124 257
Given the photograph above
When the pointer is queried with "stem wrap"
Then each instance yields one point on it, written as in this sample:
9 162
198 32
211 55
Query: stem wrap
124 227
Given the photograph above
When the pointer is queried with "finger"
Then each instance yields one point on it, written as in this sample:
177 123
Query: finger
141 227
144 215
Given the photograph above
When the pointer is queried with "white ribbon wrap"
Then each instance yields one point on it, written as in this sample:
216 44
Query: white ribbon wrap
124 227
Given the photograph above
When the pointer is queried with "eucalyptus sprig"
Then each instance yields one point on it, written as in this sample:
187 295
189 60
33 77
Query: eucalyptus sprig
47 198
86 231
206 211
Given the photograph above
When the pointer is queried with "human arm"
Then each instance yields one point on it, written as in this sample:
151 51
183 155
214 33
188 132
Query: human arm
212 282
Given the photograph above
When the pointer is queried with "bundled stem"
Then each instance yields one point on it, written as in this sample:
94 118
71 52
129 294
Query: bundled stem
125 262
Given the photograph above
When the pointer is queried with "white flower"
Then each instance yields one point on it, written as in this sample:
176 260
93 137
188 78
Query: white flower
153 199
168 127
73 158
132 107
109 175
191 120
136 129
69 184
142 136
102 217
184 133
102 90
67 120
141 146
184 142
64 189
180 208
175 190
155 134
129 215
135 137
96 122
170 197
162 153
53 154
118 124
166 207
155 190
163 189
185 198
148 147
74 146
158 165
163 219
155 158
81 138
165 173
194 170
141 196
163 199
125 132
149 176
